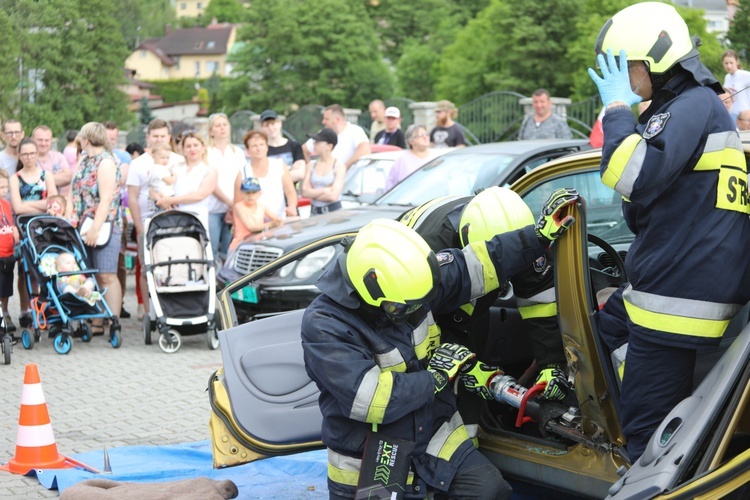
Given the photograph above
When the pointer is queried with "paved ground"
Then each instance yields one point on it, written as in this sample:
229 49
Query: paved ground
98 396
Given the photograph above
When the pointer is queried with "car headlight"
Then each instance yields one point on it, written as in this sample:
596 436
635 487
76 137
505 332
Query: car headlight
311 264
284 271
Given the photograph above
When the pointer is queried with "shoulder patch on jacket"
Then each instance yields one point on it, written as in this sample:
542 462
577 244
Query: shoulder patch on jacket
655 125
444 258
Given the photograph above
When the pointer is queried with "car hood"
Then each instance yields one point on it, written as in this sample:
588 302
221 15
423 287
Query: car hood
295 234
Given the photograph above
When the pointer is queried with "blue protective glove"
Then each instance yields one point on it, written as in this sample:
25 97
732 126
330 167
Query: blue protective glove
614 85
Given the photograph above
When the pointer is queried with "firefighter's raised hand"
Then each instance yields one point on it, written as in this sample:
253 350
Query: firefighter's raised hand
554 221
614 84
445 363
476 377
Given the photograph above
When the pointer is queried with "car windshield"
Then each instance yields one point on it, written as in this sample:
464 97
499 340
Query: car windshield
367 176
449 175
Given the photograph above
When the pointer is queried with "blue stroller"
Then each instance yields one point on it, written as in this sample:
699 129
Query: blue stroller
43 238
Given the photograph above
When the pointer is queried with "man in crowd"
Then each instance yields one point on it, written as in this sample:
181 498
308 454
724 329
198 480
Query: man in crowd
543 124
12 136
447 133
352 140
392 134
141 206
743 120
122 159
377 113
279 146
53 162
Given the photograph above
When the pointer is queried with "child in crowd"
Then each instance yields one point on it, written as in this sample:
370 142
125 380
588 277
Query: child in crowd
162 178
9 238
250 214
77 284
56 205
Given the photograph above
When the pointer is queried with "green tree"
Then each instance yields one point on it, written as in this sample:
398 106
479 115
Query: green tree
517 46
9 39
145 116
738 35
142 19
225 11
69 59
298 53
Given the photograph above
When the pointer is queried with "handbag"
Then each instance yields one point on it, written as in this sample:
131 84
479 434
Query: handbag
105 232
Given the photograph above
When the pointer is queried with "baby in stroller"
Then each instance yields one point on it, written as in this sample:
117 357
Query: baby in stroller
77 284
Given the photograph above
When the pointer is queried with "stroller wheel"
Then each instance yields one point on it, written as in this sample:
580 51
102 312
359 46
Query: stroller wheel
7 348
27 339
63 344
85 330
212 338
147 329
170 342
114 336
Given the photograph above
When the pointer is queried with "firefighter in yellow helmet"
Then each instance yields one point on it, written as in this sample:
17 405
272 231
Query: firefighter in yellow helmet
454 222
370 346
682 174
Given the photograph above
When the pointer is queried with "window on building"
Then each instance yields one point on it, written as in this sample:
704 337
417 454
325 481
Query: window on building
176 63
197 68
200 5
183 5
143 53
212 66
211 44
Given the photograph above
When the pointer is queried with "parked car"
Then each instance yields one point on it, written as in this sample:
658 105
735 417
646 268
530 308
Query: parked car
702 449
459 172
366 179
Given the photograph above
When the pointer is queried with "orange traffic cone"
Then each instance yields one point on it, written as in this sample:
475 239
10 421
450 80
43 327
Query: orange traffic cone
35 443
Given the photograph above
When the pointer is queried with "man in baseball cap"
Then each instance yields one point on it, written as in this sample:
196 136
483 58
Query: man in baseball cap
392 134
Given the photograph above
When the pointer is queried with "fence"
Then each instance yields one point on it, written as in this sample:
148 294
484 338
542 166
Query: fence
493 117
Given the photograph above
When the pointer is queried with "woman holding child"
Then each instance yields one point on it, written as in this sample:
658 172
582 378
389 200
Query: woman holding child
94 194
195 180
279 194
29 188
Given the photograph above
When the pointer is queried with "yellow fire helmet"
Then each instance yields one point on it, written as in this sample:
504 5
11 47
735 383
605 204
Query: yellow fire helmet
390 262
650 31
495 210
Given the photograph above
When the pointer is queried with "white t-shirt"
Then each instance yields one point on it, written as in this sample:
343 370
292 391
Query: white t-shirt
735 83
8 163
348 140
138 175
228 165
189 182
156 180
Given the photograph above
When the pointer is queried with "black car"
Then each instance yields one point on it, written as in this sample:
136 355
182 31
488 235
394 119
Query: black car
458 173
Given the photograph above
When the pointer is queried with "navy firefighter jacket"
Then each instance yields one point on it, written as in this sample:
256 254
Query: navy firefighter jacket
370 370
683 178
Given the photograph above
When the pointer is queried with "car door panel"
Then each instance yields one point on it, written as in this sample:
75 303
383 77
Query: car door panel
272 398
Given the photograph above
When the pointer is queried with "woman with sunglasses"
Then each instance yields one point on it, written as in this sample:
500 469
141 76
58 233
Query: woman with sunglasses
419 153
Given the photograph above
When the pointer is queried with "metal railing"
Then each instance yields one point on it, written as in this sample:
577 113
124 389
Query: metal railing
241 122
492 116
302 122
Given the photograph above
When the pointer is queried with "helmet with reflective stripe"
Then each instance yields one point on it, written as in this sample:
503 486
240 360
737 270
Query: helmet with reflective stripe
495 210
389 261
650 31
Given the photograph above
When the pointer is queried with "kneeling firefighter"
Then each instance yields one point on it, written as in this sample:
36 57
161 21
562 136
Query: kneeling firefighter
454 222
370 345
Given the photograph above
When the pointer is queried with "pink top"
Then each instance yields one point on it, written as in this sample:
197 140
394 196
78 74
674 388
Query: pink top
404 166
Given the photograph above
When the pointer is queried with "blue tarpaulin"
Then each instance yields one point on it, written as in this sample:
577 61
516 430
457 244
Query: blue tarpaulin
298 476
302 475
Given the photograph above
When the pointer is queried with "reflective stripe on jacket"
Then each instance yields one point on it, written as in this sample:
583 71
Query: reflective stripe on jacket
370 370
